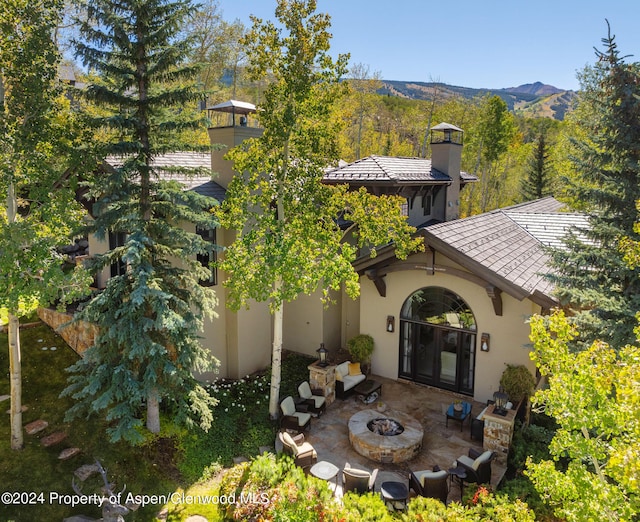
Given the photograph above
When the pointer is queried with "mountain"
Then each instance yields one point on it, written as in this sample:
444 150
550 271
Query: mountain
531 99
537 88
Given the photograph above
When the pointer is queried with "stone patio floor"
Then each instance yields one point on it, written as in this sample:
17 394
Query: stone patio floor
441 445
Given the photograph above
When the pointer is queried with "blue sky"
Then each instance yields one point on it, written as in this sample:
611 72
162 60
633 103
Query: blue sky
471 43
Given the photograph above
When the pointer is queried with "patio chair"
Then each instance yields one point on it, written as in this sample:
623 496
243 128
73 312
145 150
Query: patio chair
292 419
477 466
432 484
316 401
303 453
358 480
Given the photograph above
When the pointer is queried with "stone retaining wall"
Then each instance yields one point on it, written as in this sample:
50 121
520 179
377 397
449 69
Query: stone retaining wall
79 335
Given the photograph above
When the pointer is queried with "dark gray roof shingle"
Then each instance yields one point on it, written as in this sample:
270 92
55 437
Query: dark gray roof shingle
392 170
168 167
507 245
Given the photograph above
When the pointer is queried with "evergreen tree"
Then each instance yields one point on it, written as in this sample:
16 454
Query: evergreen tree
538 182
149 315
591 275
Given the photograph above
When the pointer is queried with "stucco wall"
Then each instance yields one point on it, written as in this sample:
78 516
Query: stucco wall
508 333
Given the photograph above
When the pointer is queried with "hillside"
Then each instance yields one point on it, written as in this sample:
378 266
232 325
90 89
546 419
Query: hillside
532 99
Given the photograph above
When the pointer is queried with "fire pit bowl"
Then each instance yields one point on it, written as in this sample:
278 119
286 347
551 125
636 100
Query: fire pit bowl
402 441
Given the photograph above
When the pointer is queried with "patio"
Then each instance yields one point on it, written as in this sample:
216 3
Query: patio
441 445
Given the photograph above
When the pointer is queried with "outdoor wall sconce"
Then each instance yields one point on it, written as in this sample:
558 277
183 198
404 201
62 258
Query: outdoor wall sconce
322 355
391 323
484 342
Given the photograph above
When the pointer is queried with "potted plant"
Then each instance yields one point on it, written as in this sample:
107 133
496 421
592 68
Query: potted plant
517 382
360 349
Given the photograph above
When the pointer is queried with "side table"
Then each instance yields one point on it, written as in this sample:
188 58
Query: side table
458 474
394 492
325 470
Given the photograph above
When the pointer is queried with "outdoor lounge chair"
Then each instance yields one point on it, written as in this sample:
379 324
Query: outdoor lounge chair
432 484
358 480
303 453
292 419
317 403
477 466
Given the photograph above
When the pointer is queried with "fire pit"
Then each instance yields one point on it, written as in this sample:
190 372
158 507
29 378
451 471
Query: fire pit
385 427
395 438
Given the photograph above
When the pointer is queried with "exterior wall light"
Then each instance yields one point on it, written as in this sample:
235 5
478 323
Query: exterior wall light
484 342
391 323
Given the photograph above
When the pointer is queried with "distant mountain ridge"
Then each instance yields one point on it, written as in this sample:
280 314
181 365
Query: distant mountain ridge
532 99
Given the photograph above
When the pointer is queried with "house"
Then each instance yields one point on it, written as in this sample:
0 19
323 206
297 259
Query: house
450 317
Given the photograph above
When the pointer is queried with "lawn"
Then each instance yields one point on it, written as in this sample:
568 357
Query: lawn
182 461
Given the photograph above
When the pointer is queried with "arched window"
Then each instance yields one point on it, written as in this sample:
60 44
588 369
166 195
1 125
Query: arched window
437 339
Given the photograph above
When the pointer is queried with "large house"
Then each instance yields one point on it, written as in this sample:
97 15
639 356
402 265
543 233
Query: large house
452 316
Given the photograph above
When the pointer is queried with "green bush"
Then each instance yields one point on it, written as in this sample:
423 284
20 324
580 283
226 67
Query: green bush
360 348
517 382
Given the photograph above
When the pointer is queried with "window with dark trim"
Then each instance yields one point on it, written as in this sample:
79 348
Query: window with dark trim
117 239
426 204
207 259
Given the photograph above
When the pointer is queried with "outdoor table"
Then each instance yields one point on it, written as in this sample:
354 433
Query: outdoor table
324 470
392 491
460 415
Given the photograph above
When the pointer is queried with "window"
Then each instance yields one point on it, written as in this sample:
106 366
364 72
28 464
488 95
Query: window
207 259
426 204
117 239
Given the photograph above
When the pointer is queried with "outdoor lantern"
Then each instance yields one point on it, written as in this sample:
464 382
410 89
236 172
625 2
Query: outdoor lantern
391 320
322 354
484 342
501 399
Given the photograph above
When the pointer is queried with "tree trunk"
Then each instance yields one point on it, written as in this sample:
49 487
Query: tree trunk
153 412
276 357
15 373
15 362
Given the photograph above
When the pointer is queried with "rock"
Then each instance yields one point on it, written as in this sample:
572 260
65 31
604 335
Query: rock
67 453
54 438
196 518
240 460
85 471
36 426
79 518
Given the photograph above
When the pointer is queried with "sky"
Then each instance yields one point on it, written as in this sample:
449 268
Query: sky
470 43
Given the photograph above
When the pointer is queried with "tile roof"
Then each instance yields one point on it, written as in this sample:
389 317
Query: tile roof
507 246
169 167
391 170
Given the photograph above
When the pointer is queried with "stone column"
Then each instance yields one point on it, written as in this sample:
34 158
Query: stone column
323 378
498 432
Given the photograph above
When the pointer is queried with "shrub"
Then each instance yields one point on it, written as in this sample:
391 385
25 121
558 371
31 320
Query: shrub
360 347
517 382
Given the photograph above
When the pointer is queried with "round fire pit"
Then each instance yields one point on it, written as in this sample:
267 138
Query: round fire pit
402 441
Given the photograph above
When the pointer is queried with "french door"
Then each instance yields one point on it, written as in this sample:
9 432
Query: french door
439 354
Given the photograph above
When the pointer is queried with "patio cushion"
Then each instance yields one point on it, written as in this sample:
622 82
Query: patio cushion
287 406
485 457
433 475
466 461
342 370
303 418
349 381
288 440
360 473
354 368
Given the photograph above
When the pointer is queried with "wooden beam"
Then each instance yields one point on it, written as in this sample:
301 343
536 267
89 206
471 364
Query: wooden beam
378 281
495 294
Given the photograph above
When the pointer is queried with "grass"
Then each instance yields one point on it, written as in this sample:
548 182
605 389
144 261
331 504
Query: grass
37 469
181 462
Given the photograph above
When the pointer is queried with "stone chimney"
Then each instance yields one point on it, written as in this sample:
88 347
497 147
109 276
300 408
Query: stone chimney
233 124
446 155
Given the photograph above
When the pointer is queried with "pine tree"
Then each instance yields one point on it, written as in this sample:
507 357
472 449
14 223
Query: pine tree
538 182
592 275
150 315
